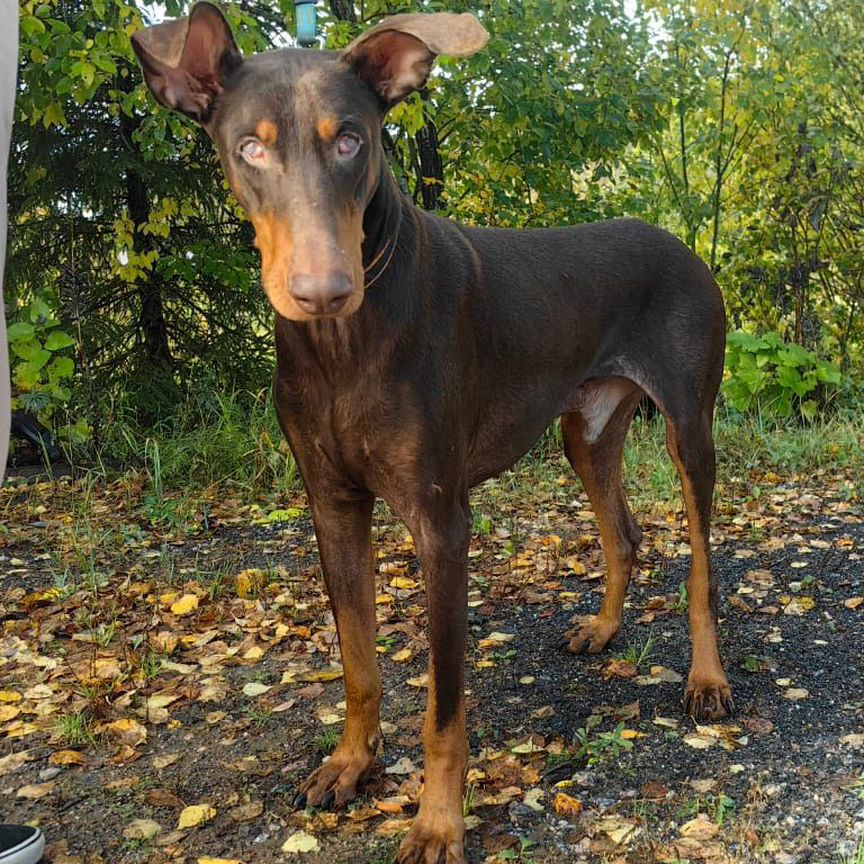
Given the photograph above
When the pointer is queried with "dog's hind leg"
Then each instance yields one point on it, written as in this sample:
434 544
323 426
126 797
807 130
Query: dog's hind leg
691 445
594 442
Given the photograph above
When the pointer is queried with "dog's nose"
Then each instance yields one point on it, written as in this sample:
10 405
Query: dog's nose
321 295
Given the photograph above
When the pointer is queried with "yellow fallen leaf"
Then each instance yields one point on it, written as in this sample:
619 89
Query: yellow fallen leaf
20 729
300 842
9 696
630 734
195 815
129 731
8 712
255 688
331 674
186 605
566 805
403 583
66 757
35 791
402 656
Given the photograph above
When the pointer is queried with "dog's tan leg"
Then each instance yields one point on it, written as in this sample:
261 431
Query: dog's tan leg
343 532
595 454
691 447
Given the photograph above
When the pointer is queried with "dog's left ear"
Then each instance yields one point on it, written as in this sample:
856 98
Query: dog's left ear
395 57
186 61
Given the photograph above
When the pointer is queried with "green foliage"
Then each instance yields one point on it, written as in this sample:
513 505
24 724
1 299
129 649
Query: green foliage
595 747
775 378
42 360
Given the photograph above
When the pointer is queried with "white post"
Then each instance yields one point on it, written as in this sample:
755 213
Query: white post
8 69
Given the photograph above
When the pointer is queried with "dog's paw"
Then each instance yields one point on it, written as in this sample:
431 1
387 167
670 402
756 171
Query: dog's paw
708 700
335 783
434 841
591 636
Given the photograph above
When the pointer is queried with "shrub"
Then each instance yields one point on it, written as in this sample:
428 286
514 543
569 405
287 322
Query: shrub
774 378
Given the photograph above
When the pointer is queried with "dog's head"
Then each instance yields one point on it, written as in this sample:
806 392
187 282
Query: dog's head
299 136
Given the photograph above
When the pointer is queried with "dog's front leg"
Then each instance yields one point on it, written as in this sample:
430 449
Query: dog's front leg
343 529
442 535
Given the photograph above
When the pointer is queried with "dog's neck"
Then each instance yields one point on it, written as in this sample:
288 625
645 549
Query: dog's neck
382 223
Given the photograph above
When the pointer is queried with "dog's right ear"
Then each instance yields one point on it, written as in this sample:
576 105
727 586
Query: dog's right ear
186 61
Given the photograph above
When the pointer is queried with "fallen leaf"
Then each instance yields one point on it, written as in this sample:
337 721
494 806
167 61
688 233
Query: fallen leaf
66 757
255 688
129 731
142 829
619 669
247 812
402 766
8 712
533 797
35 791
11 763
186 605
300 842
566 805
796 694
195 815
699 829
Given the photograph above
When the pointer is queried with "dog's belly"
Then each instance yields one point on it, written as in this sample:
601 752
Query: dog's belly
506 432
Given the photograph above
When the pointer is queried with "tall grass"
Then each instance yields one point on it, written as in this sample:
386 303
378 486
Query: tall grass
212 438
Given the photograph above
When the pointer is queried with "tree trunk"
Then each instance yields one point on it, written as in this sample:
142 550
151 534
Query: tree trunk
431 170
151 322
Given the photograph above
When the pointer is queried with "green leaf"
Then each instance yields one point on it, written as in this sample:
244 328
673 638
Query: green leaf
61 367
58 340
20 331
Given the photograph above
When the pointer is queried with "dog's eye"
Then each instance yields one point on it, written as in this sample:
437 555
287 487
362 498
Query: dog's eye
347 145
252 150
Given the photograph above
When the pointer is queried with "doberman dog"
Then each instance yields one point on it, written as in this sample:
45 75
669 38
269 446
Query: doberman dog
417 357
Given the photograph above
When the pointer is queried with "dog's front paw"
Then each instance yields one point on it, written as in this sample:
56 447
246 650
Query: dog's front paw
708 699
335 783
434 841
592 635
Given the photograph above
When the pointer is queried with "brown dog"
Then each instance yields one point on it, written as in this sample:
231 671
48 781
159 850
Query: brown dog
417 357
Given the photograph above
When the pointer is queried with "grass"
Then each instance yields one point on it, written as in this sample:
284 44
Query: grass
639 653
857 855
75 730
326 742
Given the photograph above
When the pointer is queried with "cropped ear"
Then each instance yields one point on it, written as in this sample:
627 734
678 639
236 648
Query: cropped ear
186 61
395 57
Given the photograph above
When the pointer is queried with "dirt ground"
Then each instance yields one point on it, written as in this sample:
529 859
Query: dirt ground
173 663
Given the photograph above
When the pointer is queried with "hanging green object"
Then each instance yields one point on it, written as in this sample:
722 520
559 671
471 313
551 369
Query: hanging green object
307 22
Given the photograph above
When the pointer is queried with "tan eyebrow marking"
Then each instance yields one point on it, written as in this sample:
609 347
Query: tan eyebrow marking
266 132
327 128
